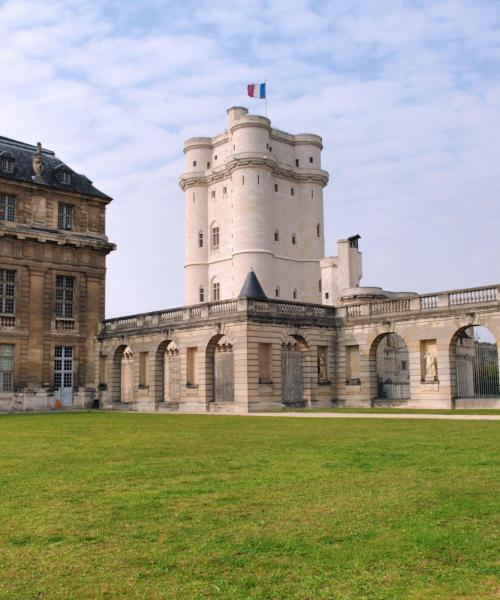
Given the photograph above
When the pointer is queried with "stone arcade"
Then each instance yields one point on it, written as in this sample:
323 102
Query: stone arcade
270 321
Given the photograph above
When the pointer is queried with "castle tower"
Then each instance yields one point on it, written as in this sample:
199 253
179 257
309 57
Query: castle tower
253 200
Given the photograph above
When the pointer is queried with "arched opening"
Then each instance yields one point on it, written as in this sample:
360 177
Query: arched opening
293 356
220 370
162 370
123 375
390 364
474 364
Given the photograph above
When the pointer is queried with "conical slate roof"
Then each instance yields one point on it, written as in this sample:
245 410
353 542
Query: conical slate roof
252 288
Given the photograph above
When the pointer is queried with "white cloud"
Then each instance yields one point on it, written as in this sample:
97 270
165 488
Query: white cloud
405 95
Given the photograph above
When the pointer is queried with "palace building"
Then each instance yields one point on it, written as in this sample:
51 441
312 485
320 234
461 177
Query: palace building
52 279
269 321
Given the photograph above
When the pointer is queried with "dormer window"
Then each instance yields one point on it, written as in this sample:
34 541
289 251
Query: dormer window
64 176
6 164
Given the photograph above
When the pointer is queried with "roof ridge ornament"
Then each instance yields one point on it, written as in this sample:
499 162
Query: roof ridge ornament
38 165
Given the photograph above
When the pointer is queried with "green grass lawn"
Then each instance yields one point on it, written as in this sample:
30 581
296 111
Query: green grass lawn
101 505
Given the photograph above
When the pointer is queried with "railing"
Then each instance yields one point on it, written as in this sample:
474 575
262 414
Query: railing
65 324
8 321
425 302
216 310
383 307
472 296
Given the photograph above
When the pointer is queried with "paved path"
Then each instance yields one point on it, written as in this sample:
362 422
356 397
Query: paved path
333 415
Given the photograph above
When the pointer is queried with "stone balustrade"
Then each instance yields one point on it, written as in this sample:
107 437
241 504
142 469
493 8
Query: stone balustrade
246 307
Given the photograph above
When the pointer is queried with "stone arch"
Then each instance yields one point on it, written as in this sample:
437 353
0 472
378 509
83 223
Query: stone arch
474 366
123 374
389 362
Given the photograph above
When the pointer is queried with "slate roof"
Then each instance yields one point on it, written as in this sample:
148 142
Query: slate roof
23 169
252 288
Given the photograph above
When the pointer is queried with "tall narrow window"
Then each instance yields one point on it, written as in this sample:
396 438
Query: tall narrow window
276 235
65 216
200 239
311 159
258 179
216 291
202 294
7 292
213 193
277 292
312 193
224 191
296 162
243 179
208 165
318 230
7 207
319 286
294 239
292 191
65 296
194 163
276 188
192 366
215 238
6 367
295 294
265 365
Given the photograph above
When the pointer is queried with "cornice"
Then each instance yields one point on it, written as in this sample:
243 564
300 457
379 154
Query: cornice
235 162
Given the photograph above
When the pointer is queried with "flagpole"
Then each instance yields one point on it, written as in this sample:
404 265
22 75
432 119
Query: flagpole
265 97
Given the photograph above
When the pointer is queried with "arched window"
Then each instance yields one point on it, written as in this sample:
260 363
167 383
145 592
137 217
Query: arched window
215 291
215 237
202 294
200 239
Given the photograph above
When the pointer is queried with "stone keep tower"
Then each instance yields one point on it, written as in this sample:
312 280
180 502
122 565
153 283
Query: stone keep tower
253 200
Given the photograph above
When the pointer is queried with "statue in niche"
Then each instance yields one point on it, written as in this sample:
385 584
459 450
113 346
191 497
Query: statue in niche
430 365
38 162
321 367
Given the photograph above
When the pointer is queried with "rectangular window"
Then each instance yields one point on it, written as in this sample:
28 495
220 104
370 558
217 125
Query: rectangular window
143 369
202 294
215 238
65 177
6 165
265 365
65 296
352 364
7 292
65 216
276 188
200 239
6 367
192 366
216 291
311 159
7 207
292 191
102 368
296 162
194 163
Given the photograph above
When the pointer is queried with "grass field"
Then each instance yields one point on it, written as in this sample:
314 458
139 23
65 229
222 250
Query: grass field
179 506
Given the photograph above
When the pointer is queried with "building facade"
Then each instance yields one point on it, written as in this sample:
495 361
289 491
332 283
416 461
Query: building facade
53 249
270 322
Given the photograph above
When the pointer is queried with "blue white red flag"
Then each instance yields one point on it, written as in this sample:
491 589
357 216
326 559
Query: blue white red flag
256 90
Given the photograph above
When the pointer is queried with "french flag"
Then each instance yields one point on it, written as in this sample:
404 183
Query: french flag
256 90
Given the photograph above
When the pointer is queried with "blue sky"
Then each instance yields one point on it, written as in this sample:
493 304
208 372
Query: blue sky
405 94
